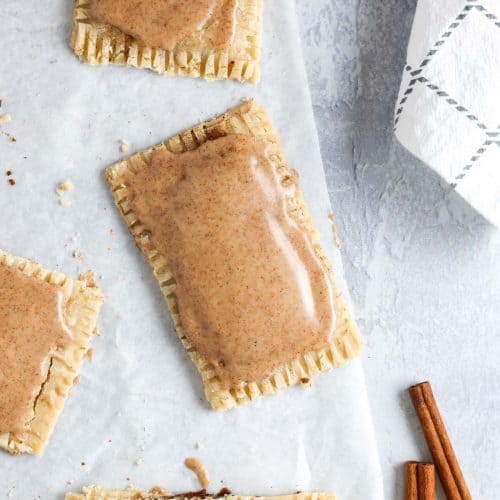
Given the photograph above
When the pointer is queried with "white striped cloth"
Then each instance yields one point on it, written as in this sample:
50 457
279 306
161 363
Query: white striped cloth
448 110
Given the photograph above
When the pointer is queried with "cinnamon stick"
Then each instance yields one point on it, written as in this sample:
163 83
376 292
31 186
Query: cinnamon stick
426 481
439 442
411 483
420 483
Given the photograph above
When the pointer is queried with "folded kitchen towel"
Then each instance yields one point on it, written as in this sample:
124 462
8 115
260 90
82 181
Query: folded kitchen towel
448 110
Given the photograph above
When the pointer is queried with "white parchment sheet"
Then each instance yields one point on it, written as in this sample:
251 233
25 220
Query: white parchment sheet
141 397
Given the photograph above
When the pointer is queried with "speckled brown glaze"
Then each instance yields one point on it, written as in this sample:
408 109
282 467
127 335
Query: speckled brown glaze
251 290
31 329
164 23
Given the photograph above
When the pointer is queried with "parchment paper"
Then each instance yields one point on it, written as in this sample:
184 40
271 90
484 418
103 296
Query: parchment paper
141 397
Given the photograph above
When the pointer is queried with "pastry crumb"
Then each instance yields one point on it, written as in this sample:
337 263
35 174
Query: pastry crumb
12 182
124 146
61 189
5 118
64 187
89 354
199 445
139 462
336 239
78 255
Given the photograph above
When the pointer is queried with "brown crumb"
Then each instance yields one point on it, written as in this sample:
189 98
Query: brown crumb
288 180
12 182
9 136
89 279
83 464
305 380
9 172
158 490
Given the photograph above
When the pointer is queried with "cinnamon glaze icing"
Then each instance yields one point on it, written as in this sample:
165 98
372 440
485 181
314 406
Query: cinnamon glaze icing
197 466
252 292
164 23
32 327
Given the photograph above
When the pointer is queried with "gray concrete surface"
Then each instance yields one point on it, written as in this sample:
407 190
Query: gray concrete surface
423 268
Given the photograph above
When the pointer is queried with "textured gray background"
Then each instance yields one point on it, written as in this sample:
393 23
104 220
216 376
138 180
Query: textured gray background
422 266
